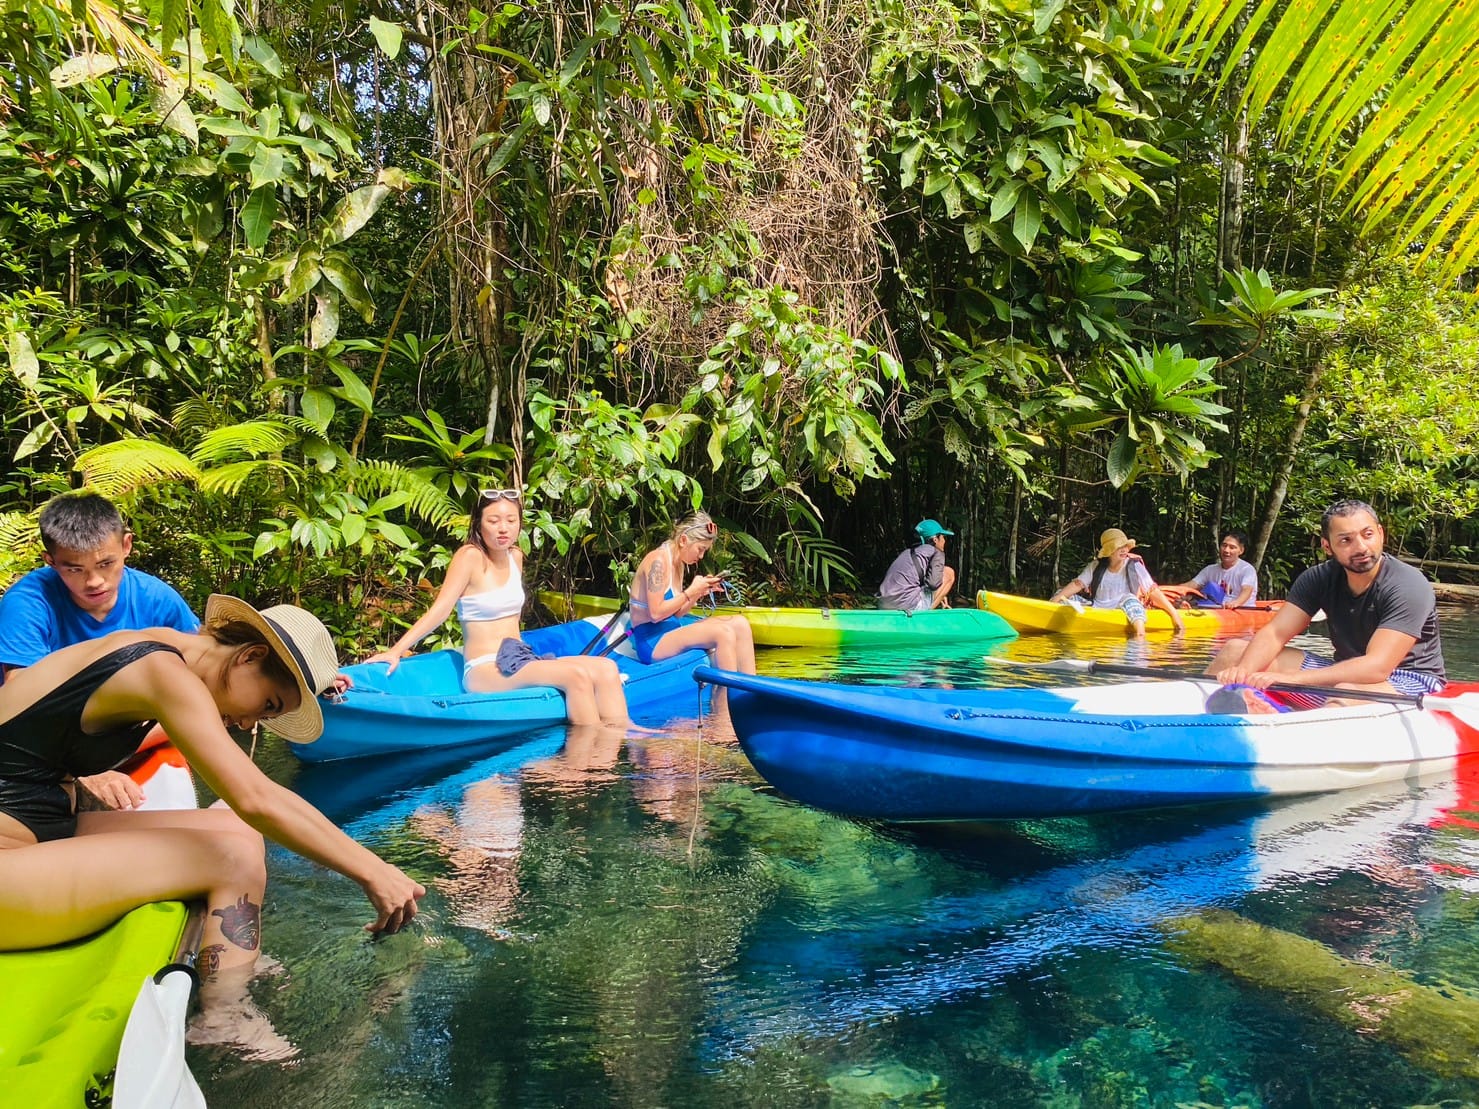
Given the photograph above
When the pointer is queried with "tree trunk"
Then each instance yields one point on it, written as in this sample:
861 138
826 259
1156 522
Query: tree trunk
1286 466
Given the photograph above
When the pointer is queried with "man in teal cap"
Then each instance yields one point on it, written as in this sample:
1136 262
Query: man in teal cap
919 580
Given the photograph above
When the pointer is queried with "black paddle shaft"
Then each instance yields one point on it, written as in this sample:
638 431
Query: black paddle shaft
1282 687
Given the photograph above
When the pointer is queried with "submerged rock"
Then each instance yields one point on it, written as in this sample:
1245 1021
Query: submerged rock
881 1083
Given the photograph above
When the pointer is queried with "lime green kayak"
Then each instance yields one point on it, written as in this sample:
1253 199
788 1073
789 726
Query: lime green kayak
867 627
66 1007
577 606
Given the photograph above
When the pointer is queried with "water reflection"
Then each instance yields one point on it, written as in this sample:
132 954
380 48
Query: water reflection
645 923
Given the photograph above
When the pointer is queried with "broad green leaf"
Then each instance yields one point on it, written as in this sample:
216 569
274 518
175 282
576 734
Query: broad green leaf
355 390
267 167
257 216
317 406
323 326
23 361
348 280
34 440
353 212
83 67
388 36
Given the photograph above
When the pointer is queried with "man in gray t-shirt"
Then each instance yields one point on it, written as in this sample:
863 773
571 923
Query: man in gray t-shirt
1381 614
919 580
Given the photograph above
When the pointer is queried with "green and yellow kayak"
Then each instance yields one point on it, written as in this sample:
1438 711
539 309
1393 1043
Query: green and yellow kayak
577 606
867 627
66 1007
1030 615
826 627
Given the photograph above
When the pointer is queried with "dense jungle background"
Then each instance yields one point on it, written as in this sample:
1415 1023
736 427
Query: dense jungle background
292 281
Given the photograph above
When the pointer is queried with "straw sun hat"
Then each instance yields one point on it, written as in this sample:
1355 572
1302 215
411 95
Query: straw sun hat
1112 540
302 642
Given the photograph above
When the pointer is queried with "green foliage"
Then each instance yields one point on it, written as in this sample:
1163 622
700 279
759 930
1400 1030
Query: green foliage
1155 401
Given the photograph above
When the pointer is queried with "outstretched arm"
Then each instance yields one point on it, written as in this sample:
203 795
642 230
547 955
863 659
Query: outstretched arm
459 574
162 687
1072 589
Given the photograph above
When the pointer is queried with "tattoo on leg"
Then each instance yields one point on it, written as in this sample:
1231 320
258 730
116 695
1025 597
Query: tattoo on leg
241 923
209 960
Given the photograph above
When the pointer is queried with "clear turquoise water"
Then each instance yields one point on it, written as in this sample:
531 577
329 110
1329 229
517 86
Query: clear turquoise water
651 926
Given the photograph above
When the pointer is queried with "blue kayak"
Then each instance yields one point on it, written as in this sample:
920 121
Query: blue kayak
912 754
422 705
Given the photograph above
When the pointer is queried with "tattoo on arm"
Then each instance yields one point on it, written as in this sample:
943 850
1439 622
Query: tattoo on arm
208 962
657 577
241 923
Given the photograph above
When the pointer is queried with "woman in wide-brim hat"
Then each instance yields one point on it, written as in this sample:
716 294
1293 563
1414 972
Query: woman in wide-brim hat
83 709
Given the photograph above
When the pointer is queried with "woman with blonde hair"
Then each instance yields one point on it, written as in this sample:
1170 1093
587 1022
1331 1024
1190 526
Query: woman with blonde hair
662 624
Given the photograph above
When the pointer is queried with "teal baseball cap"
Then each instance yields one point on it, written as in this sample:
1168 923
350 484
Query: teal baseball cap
928 529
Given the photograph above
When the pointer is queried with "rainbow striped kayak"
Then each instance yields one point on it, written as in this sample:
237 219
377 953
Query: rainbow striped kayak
66 1007
828 627
1031 616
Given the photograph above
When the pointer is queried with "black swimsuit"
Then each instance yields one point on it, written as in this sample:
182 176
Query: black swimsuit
44 745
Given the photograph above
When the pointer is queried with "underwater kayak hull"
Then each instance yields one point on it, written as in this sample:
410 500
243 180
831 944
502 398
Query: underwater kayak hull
909 754
423 705
1031 616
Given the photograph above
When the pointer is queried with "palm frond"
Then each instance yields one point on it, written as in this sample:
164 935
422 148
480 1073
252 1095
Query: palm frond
1397 78
20 545
122 467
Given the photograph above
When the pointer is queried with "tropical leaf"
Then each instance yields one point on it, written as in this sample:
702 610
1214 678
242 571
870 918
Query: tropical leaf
122 467
1400 78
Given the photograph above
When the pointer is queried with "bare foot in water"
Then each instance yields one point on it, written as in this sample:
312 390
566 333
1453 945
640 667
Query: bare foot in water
229 1017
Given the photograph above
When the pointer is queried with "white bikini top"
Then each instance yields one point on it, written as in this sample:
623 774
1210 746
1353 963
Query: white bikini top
494 604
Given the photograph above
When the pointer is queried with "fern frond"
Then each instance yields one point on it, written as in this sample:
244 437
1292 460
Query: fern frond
119 468
424 502
20 545
230 478
196 415
254 438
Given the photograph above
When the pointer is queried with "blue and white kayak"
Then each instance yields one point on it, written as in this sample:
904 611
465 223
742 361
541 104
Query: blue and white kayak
907 754
423 704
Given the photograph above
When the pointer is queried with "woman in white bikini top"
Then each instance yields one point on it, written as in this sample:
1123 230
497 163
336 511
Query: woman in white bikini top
486 585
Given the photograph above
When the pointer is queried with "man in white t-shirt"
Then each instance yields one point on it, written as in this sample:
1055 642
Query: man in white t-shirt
1229 582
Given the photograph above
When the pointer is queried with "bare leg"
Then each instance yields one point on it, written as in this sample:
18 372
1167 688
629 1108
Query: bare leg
941 597
1289 660
64 889
568 675
611 698
729 637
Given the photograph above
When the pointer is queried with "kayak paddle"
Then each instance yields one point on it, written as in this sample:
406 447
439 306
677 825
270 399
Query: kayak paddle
1465 706
605 631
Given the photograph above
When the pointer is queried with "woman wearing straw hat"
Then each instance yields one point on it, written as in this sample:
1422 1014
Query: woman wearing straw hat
83 709
1119 579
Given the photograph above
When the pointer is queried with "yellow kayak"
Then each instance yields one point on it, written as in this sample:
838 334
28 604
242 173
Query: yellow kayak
1029 616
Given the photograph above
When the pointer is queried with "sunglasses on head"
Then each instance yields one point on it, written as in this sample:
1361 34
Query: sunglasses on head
706 529
500 494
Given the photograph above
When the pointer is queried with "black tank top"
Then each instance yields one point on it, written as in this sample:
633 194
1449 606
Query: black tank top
45 743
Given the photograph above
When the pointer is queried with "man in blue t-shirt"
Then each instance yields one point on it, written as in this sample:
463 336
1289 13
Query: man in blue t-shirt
1381 614
84 591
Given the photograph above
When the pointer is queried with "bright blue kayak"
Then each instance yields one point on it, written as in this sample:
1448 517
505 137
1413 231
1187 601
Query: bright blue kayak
422 705
912 754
